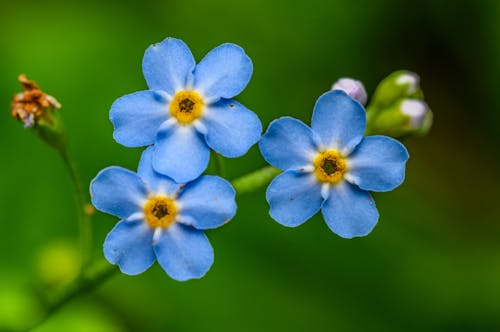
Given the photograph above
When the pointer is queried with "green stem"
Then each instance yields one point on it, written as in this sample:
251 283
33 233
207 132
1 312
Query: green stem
86 282
81 202
255 180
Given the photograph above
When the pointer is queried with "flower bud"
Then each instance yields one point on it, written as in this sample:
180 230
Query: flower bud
355 89
416 110
409 117
419 114
409 80
39 111
398 85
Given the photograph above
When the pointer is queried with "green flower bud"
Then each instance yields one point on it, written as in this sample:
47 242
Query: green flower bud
408 117
398 85
419 114
397 108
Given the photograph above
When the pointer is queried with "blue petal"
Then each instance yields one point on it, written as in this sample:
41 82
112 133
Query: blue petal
184 252
231 128
137 117
288 144
130 246
377 164
207 202
156 182
181 153
223 73
339 121
118 191
294 197
349 211
168 66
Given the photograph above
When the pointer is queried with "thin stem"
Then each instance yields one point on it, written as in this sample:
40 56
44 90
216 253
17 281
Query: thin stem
86 282
254 180
84 225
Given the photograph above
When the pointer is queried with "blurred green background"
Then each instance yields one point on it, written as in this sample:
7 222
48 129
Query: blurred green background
431 264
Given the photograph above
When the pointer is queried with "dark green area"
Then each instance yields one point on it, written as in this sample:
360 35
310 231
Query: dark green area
431 264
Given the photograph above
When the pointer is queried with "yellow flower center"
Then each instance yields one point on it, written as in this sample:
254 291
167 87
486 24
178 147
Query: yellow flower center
160 211
186 106
330 166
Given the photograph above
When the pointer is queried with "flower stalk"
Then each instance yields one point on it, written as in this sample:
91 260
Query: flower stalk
81 202
39 112
254 180
87 281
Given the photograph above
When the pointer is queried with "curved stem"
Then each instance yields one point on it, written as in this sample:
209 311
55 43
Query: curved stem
81 202
86 282
255 180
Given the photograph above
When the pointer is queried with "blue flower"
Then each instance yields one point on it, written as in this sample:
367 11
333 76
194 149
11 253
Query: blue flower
188 108
331 167
160 219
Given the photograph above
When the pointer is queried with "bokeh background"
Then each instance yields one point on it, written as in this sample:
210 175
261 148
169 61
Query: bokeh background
431 264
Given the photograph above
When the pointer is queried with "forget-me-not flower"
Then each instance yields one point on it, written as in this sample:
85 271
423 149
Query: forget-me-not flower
160 219
331 167
188 108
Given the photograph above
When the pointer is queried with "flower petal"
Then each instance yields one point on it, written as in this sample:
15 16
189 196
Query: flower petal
130 246
156 182
118 191
349 211
377 164
294 197
339 121
184 252
168 65
288 144
136 117
231 128
223 73
207 202
180 153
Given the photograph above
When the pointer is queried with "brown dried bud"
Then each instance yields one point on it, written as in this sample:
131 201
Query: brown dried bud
32 105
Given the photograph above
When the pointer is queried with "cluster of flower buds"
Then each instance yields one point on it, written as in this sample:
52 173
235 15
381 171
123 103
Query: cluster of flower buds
39 111
397 107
